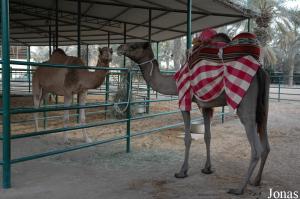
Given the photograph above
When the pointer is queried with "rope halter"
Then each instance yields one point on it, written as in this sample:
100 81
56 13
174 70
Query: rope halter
146 62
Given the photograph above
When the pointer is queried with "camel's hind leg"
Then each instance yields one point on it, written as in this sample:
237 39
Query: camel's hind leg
265 152
207 113
37 98
82 98
187 140
247 115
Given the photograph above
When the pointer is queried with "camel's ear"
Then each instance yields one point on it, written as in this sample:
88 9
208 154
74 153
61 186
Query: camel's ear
111 50
100 50
146 45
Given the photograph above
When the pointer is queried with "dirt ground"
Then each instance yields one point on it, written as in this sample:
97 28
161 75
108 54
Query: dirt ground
107 171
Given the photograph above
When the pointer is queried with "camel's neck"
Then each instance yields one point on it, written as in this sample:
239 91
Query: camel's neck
103 63
94 79
164 84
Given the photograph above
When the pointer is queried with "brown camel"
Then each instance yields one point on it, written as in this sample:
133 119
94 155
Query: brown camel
252 111
67 82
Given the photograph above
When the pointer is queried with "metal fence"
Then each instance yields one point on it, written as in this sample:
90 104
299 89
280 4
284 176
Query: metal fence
281 90
21 86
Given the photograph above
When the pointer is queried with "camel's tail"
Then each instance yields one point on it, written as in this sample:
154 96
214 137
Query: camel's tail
262 101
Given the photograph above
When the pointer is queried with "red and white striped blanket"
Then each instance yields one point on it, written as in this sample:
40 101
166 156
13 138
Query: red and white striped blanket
206 80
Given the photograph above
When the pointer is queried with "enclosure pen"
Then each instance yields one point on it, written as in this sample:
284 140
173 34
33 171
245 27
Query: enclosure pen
58 107
18 82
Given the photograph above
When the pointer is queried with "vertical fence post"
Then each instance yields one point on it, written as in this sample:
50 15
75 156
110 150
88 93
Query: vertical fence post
56 24
78 46
189 25
6 142
28 69
87 54
149 38
128 113
49 34
107 80
279 87
223 112
157 58
248 24
45 113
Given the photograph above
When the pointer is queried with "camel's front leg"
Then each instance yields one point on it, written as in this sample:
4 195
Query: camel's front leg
207 113
67 102
82 98
187 141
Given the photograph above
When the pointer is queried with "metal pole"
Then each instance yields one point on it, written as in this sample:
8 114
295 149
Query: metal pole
45 114
248 24
49 39
128 113
279 87
189 25
223 114
149 38
78 44
78 28
108 39
56 24
53 42
157 51
107 79
6 142
28 69
124 40
87 54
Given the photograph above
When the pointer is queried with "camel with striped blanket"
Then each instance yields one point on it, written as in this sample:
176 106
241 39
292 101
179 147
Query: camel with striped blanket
252 110
67 82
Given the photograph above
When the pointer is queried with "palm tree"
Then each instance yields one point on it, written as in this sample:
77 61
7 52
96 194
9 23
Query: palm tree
288 43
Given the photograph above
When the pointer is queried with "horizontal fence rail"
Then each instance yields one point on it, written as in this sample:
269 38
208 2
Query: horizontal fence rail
21 83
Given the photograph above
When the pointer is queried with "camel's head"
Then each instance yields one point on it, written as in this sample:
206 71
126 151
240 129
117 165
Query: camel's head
136 51
105 54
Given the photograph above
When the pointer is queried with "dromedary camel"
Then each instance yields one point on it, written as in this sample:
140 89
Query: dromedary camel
67 82
252 111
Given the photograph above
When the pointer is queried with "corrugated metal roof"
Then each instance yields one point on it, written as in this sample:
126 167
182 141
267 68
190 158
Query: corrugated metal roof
30 20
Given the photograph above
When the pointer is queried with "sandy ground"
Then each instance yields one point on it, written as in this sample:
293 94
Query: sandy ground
107 171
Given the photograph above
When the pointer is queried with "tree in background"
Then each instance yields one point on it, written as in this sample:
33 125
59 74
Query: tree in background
288 40
277 28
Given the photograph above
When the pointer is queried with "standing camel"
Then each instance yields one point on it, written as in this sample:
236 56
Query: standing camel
252 111
67 82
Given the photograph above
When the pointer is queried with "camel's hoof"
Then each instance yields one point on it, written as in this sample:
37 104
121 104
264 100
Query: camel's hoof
88 140
235 191
67 141
207 171
255 182
181 175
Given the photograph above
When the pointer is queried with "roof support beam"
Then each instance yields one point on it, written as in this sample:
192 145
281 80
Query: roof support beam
189 25
98 18
38 29
87 26
176 25
78 28
159 8
56 24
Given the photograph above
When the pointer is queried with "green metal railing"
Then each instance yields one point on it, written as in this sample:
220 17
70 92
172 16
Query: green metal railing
58 107
7 111
280 90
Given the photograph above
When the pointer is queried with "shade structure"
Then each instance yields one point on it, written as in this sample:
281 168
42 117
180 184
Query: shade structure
31 20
